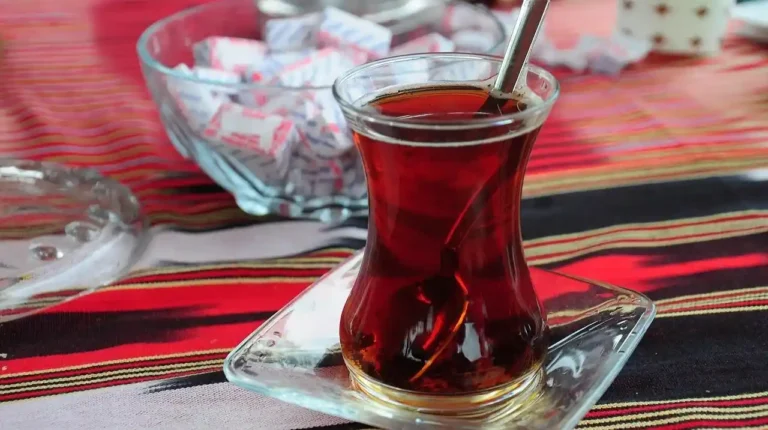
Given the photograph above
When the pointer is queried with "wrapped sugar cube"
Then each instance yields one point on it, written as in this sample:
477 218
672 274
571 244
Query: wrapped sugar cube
323 182
509 19
609 56
320 68
462 16
407 72
274 62
273 101
321 178
432 42
325 128
248 128
199 102
268 138
354 181
600 55
463 70
342 29
314 174
219 76
570 58
472 41
326 138
254 167
292 33
229 53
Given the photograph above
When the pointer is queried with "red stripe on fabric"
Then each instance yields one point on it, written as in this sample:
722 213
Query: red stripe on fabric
714 423
197 318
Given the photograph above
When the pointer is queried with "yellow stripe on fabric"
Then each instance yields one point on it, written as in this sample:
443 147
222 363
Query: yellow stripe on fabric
321 263
688 411
675 420
209 282
619 405
136 375
120 361
713 311
760 294
102 376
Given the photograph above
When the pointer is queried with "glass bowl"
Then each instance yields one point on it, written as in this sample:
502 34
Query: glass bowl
169 42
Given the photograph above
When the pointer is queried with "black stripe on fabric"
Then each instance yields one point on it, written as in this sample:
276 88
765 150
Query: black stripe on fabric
187 382
340 242
346 426
700 281
589 210
696 356
76 332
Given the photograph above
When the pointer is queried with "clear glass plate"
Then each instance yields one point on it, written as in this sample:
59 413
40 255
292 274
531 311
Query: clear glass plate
63 232
295 356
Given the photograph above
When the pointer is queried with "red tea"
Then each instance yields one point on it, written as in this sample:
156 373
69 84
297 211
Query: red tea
444 302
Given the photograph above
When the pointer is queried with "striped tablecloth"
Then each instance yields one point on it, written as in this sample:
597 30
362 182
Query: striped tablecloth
656 180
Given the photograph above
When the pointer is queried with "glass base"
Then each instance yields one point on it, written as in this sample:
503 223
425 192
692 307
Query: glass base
296 357
486 405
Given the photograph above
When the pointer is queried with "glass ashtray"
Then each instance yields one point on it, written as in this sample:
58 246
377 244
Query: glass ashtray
64 231
295 356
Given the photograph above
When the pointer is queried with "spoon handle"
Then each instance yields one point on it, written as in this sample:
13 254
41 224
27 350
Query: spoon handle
511 76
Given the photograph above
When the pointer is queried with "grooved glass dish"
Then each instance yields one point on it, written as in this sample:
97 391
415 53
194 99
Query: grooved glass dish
295 355
63 232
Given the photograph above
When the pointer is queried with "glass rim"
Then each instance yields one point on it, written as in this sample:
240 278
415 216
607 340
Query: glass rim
150 61
377 117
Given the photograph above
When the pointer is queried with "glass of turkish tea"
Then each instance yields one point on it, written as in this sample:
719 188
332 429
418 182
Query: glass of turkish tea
443 317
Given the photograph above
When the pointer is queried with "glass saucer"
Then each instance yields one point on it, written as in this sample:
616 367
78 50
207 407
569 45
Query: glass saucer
63 232
295 356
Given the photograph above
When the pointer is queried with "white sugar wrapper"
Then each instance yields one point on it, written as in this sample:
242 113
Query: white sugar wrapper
342 29
610 56
508 20
607 56
432 42
282 34
320 68
310 175
462 70
229 53
325 129
463 16
572 58
274 63
473 41
596 54
269 139
199 102
274 101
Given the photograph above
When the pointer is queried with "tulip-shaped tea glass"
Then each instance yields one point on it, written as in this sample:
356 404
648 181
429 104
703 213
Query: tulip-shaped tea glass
443 317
